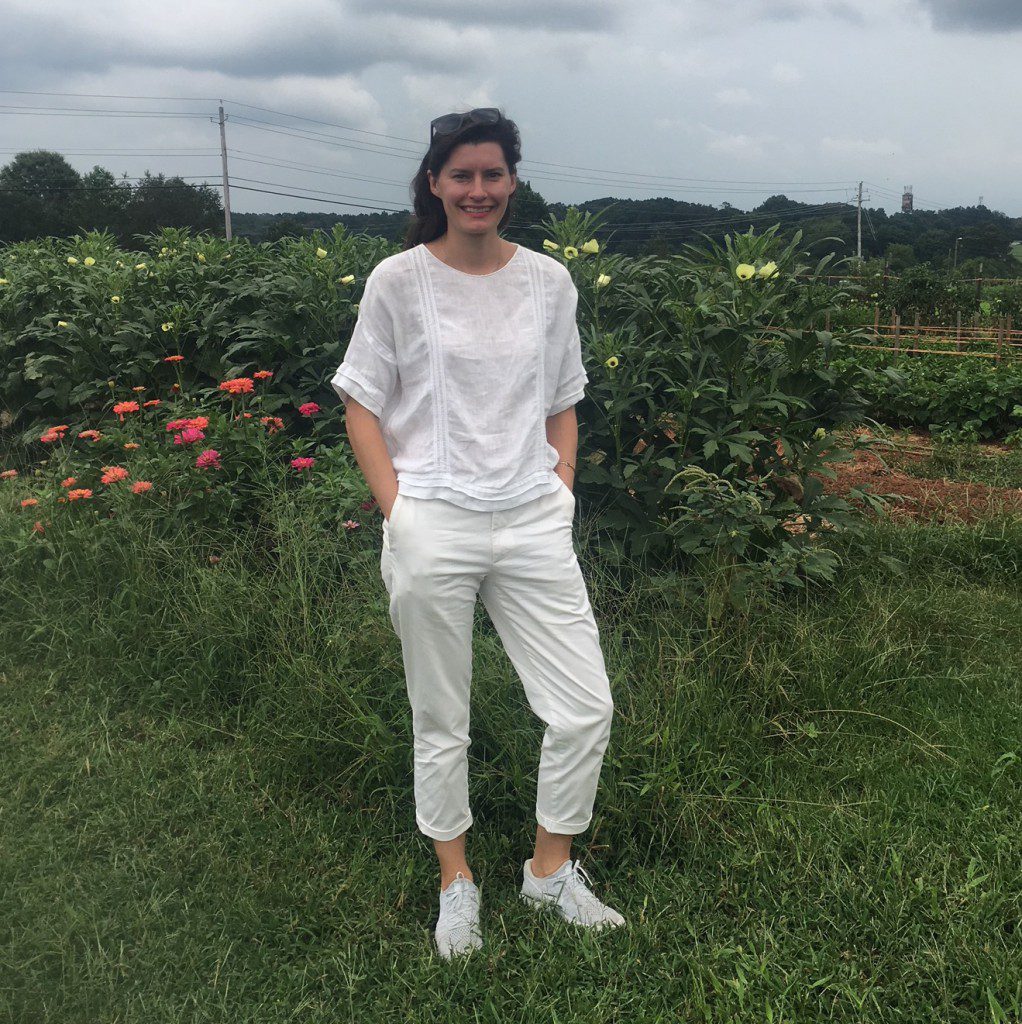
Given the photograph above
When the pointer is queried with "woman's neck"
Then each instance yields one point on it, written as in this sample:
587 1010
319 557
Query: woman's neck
472 254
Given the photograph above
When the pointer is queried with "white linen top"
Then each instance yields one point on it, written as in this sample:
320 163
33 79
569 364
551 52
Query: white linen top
462 371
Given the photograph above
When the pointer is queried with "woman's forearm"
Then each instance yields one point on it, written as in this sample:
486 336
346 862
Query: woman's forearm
562 433
371 454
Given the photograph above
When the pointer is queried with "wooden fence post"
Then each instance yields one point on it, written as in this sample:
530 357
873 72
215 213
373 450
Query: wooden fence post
897 333
958 332
1000 338
915 340
876 322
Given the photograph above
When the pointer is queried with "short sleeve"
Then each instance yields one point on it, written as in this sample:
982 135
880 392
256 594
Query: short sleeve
369 370
572 379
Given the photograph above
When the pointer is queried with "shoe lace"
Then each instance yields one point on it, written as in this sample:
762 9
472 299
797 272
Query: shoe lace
578 883
459 906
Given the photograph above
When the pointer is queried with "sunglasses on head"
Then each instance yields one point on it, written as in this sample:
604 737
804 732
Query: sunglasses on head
448 123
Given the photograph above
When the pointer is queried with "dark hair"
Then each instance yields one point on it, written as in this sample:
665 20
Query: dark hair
429 219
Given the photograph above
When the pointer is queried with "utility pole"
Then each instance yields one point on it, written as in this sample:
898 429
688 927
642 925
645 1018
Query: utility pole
858 218
227 184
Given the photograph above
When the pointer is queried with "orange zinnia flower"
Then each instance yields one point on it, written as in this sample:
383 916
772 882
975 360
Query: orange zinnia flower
151 404
172 359
29 502
91 435
38 527
237 386
111 474
263 374
82 492
68 482
122 407
141 486
141 387
130 446
8 474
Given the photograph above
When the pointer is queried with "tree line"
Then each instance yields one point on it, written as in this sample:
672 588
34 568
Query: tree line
42 194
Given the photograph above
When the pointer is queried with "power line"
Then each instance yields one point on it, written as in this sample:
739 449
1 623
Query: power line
108 96
314 199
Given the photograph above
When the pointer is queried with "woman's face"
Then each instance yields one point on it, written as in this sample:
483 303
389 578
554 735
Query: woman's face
475 175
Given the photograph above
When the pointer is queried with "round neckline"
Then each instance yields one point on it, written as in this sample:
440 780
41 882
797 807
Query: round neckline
464 273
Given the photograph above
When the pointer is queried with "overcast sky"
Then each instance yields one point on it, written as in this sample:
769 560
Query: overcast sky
706 100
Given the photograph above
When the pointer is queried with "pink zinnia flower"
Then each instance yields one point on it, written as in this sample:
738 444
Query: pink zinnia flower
302 462
189 435
8 474
210 458
350 524
308 409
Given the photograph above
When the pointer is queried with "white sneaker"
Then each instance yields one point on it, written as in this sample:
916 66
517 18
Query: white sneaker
566 891
457 930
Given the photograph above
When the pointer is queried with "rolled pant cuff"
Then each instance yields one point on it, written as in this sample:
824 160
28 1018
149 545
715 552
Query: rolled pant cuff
443 834
563 827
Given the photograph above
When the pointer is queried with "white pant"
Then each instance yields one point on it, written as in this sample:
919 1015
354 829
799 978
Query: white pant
521 561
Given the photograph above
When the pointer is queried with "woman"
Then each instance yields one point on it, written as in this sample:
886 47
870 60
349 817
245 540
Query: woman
459 386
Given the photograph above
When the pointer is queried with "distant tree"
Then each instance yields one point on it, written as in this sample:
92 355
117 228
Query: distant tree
284 227
103 202
160 202
38 193
900 256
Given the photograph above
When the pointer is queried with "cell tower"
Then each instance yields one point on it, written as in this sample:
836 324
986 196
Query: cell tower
906 199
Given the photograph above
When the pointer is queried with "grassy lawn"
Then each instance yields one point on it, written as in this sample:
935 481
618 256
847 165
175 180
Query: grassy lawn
808 813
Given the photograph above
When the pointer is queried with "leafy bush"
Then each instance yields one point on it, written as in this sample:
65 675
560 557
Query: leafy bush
957 398
77 313
712 387
704 433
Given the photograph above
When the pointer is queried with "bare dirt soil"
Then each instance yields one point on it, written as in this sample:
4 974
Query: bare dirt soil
921 498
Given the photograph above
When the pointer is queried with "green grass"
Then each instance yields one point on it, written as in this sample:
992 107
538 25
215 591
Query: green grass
968 463
811 813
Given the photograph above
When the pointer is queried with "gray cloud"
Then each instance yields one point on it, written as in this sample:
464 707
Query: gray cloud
975 15
798 10
319 44
551 15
